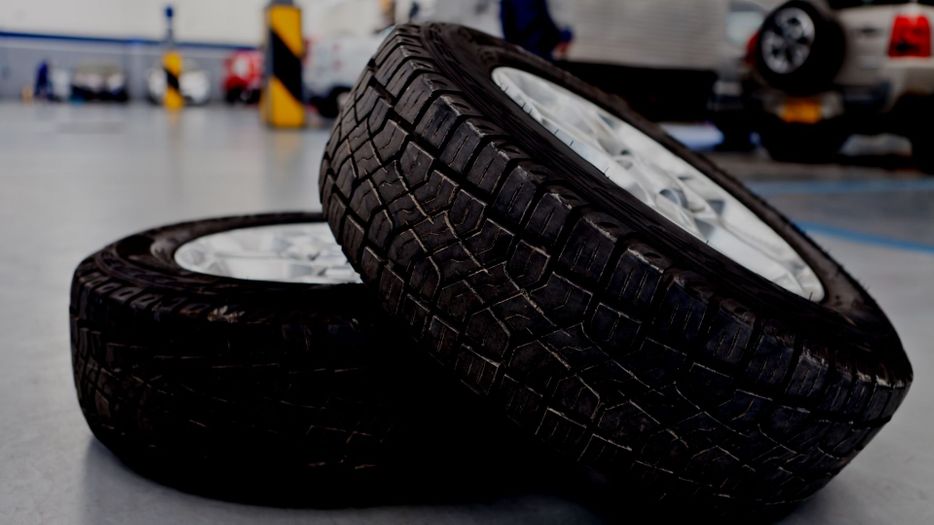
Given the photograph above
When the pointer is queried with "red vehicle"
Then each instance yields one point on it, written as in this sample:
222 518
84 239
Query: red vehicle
243 78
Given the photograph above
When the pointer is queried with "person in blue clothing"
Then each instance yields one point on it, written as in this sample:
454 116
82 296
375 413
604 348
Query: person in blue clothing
43 87
528 24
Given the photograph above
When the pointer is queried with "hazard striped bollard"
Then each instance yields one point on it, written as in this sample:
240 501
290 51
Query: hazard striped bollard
172 64
282 102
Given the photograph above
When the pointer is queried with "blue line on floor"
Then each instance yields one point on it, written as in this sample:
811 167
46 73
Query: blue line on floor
815 187
865 238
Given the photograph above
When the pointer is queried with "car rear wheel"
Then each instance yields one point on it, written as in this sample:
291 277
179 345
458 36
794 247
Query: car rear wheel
329 107
800 48
233 95
922 151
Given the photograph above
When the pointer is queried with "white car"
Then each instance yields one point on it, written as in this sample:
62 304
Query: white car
99 81
195 84
60 80
662 56
333 67
727 104
828 69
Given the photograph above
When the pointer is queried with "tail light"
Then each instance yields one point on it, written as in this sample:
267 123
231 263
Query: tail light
750 57
911 37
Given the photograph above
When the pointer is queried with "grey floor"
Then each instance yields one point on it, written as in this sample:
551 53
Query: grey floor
75 178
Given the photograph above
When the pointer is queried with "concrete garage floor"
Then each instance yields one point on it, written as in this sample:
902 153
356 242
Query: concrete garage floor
74 178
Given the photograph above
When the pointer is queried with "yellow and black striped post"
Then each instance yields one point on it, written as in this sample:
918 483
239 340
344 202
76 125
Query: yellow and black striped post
282 102
172 65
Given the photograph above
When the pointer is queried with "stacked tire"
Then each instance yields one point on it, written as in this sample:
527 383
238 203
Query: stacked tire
596 326
270 392
582 325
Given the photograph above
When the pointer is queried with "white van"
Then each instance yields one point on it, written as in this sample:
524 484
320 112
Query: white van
661 55
679 34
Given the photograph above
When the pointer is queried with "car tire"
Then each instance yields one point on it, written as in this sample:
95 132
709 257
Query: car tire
612 337
922 153
259 391
233 95
737 131
329 107
804 143
825 50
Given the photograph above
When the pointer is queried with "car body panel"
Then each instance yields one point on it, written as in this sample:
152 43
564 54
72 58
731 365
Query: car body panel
645 33
743 21
243 75
868 34
336 63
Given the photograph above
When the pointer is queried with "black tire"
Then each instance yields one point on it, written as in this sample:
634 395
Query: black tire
233 96
737 130
121 97
258 391
824 61
923 153
329 107
81 94
618 340
806 143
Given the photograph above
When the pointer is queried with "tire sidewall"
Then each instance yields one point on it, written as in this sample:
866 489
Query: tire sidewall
147 261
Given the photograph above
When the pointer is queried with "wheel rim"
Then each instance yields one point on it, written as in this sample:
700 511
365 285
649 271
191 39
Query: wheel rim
660 179
289 253
787 43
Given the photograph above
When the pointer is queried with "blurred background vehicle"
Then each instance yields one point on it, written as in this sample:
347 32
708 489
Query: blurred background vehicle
478 14
60 80
195 84
333 66
727 103
661 56
243 77
827 69
52 83
99 81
